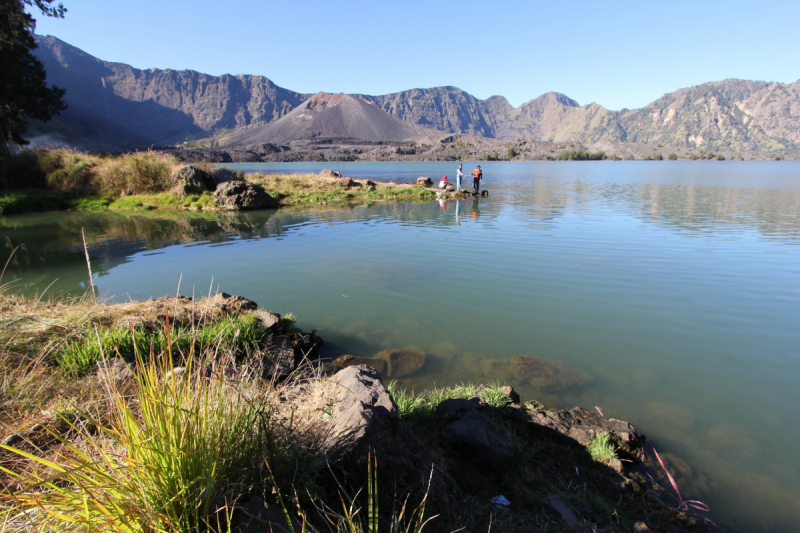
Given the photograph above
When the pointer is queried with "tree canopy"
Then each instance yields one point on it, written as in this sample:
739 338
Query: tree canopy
24 93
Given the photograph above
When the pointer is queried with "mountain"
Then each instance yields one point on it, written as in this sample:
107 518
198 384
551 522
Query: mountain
445 108
331 116
113 105
116 105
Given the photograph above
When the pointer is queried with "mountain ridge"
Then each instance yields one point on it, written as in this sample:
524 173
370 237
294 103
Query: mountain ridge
118 106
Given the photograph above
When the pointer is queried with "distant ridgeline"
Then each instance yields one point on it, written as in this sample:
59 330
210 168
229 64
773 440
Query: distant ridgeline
115 106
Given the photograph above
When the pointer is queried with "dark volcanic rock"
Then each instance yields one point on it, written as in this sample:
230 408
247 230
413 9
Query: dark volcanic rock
280 360
240 195
346 182
546 373
190 180
365 407
474 429
582 426
221 175
307 345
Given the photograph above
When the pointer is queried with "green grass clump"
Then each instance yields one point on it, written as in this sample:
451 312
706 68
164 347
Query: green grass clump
188 443
602 449
239 333
416 407
89 204
24 201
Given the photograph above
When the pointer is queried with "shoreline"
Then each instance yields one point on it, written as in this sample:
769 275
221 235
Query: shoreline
481 440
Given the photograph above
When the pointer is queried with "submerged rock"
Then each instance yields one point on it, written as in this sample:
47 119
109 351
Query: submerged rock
496 369
240 195
350 360
546 373
403 362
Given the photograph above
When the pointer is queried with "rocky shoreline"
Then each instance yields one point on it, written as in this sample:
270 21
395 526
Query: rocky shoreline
476 457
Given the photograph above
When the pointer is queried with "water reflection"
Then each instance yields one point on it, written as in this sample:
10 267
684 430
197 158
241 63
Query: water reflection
656 285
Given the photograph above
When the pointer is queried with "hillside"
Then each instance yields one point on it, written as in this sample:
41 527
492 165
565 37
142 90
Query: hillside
116 106
330 116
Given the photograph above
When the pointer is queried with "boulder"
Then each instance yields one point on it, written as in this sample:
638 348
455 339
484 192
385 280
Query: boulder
365 408
268 319
484 193
328 173
581 427
369 184
307 345
474 429
232 305
546 373
189 180
279 359
403 362
423 181
220 175
554 507
349 360
240 195
346 182
496 369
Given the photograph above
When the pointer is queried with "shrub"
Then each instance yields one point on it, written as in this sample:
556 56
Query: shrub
672 157
581 155
657 157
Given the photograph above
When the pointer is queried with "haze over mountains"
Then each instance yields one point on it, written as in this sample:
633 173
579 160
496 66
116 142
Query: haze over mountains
115 106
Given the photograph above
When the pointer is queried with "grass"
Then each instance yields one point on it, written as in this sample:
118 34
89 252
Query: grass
28 200
602 449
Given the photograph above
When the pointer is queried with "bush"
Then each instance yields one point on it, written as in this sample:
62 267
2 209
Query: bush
512 152
581 155
30 200
672 157
657 157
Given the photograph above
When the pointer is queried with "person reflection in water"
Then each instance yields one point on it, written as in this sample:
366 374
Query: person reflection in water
476 209
458 212
441 204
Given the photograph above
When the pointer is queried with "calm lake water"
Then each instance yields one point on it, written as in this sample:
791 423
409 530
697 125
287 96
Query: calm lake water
675 285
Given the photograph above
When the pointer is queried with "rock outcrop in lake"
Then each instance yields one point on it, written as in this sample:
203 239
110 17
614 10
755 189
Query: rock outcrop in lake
240 196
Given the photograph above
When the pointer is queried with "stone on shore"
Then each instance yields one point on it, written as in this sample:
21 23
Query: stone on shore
547 373
240 195
346 182
424 181
189 180
219 176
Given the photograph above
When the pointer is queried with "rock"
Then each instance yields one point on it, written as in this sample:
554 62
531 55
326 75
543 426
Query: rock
256 517
234 304
268 319
403 362
326 173
306 345
279 361
365 408
641 527
473 428
190 180
346 182
220 175
349 360
496 369
370 185
240 195
555 507
449 188
581 427
114 368
546 373
12 440
484 193
423 181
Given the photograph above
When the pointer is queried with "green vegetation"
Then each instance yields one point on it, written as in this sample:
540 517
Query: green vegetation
512 152
602 449
672 156
581 155
654 157
24 93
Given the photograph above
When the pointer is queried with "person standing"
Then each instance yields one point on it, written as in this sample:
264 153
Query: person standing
459 175
477 177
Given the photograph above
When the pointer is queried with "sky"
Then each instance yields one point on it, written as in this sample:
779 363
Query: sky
619 54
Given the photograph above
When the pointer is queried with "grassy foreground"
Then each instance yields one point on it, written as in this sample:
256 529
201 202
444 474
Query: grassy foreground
184 434
48 180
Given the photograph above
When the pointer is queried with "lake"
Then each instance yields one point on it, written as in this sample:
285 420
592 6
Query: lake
674 285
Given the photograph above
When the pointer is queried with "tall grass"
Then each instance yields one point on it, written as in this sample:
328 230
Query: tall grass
166 461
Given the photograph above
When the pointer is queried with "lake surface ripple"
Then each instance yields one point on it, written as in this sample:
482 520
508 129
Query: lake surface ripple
675 285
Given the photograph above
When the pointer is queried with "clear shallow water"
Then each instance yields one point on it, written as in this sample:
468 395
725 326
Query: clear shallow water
675 285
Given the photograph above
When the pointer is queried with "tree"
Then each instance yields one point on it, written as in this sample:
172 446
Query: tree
24 94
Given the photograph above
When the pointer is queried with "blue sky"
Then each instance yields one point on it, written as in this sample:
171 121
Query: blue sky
616 53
